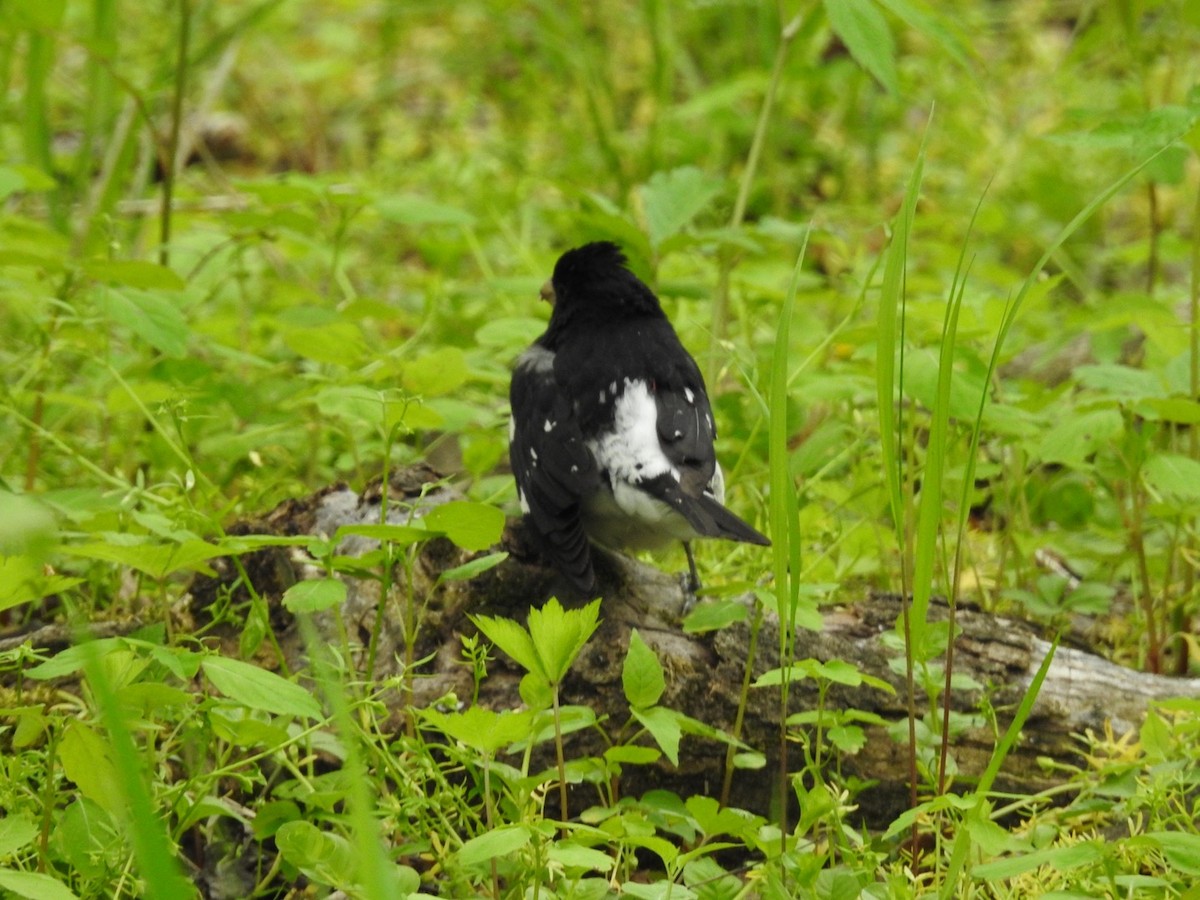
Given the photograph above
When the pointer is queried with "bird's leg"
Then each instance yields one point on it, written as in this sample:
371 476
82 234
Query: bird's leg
693 580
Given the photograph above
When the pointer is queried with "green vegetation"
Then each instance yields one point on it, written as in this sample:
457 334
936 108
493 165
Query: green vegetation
942 270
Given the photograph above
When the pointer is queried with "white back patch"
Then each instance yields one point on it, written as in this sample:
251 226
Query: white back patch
631 452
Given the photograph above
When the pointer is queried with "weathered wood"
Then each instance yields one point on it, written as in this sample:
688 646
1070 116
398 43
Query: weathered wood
704 672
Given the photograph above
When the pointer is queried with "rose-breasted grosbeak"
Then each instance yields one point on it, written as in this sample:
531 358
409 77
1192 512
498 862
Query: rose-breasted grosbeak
611 438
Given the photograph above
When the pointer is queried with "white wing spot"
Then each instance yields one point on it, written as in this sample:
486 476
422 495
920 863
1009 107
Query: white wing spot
549 426
612 387
603 398
691 397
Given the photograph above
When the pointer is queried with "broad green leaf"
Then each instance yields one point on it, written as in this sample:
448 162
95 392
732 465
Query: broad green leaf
326 858
1181 849
16 831
512 639
663 725
259 689
473 567
1179 410
86 760
865 32
154 318
436 373
672 199
1173 475
642 675
1123 382
472 526
573 856
1060 859
713 615
315 595
481 729
156 560
1076 437
23 580
558 635
35 886
502 841
333 344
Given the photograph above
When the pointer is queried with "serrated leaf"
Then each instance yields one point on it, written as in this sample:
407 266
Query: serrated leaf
642 675
558 635
512 639
259 689
472 526
482 729
865 32
672 199
315 595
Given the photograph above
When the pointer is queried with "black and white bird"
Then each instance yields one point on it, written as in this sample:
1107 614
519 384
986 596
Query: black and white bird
611 438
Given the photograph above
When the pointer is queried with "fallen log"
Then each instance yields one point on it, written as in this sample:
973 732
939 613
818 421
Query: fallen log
705 672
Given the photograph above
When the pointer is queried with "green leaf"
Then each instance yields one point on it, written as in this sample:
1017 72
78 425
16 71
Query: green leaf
502 841
642 675
573 856
155 319
23 580
512 639
1060 859
259 689
134 273
1180 849
437 373
1173 476
482 729
672 199
156 560
86 760
558 635
315 595
713 615
16 832
473 567
1077 437
663 725
1179 410
35 886
325 858
865 32
472 526
1123 382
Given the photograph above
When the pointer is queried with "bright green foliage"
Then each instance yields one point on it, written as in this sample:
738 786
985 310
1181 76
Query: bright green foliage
938 266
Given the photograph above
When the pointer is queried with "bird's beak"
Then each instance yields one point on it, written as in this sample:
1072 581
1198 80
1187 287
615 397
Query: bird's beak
547 292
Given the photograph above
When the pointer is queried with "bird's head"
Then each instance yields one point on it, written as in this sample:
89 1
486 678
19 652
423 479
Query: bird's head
595 279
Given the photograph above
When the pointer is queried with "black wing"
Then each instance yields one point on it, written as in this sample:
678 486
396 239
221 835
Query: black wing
553 467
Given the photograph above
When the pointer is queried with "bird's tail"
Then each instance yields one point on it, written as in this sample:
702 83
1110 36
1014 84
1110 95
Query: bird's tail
712 519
